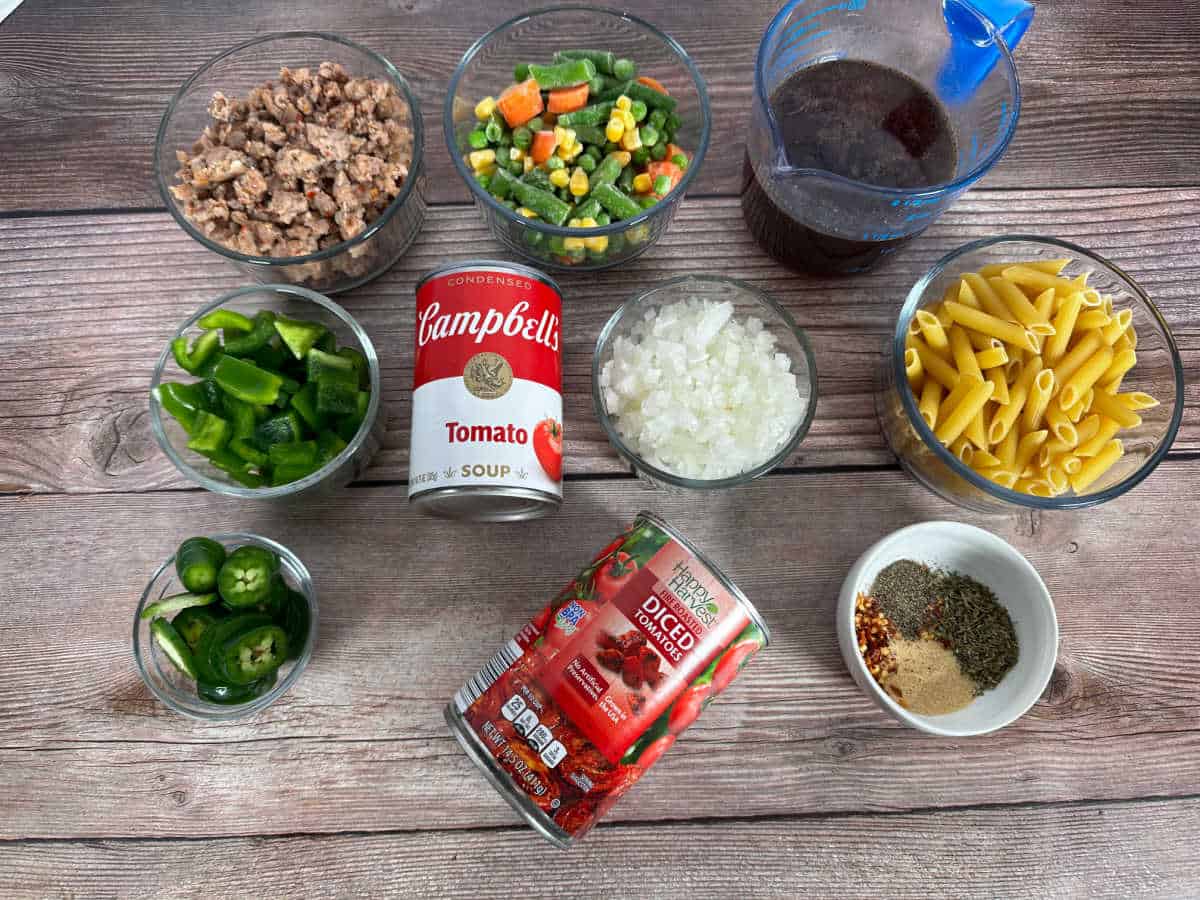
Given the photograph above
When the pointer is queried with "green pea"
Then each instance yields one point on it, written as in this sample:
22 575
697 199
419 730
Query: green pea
662 184
624 69
647 201
535 124
658 151
555 243
516 166
522 137
477 139
587 163
532 238
594 152
650 135
658 118
638 109
493 132
603 218
555 162
680 160
674 123
484 179
641 156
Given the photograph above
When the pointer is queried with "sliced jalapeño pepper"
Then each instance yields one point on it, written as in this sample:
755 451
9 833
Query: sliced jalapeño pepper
231 694
295 620
258 337
227 319
191 623
176 603
190 359
252 654
245 578
213 640
174 647
299 336
246 381
197 562
209 433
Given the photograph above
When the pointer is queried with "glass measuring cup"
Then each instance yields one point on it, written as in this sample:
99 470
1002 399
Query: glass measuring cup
951 62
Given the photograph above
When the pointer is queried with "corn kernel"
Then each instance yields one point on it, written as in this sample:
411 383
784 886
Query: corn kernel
629 121
569 153
579 182
575 223
482 159
642 183
587 222
596 244
623 103
516 154
614 129
484 108
528 163
559 178
623 158
563 137
526 212
574 244
631 140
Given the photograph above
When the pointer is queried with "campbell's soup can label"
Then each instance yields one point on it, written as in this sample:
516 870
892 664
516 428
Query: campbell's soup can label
487 393
573 710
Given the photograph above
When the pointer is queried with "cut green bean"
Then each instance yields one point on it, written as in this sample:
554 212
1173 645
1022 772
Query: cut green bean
603 60
624 69
617 203
595 114
564 74
545 204
652 98
614 90
589 208
607 172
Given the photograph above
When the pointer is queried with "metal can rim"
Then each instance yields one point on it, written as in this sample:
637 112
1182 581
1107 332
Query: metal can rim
726 581
494 264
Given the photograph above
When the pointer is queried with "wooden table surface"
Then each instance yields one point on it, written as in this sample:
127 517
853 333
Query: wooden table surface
794 783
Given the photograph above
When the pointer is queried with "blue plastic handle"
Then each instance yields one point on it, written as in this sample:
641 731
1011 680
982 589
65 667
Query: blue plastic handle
973 50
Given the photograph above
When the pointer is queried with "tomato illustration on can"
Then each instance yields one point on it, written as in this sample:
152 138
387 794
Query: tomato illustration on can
568 715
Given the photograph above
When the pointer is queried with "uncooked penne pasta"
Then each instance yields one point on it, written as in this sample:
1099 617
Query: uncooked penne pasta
1092 469
963 450
1092 318
1071 464
1006 450
1056 478
1118 326
1034 486
1123 361
1076 357
1040 393
1027 448
1064 326
976 431
942 316
996 377
1045 303
1137 400
1003 477
1049 266
1085 377
1086 429
1113 407
935 366
983 459
912 367
1006 416
914 327
1027 276
1060 425
963 352
931 399
931 330
989 300
1009 332
978 392
995 355
1020 307
1079 410
1105 433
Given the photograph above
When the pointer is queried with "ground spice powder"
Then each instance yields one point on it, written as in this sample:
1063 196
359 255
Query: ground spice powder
927 679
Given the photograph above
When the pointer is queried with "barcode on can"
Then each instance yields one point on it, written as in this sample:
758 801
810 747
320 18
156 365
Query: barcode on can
488 675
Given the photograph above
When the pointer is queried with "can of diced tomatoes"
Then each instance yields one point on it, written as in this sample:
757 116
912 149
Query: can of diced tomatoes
486 437
571 712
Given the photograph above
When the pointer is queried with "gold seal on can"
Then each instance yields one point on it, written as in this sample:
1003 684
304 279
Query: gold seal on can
488 375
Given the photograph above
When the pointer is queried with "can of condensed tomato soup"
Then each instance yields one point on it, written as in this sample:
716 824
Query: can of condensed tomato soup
573 710
486 437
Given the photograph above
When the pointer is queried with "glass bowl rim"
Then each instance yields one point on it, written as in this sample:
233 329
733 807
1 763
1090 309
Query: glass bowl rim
490 202
623 449
896 353
414 170
927 191
236 490
218 712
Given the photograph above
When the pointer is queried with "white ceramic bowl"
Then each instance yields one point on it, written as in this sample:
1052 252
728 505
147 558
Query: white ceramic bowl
1017 585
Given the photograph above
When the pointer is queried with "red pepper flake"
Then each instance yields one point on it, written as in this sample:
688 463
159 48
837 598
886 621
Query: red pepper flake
873 631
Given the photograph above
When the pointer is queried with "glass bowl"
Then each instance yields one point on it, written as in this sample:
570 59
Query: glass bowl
747 301
178 691
1159 372
234 72
297 303
487 68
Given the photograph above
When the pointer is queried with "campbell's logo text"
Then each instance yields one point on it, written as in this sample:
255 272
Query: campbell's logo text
434 325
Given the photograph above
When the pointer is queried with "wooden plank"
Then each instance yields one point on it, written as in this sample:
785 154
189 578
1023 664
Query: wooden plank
406 616
108 290
1088 850
1109 89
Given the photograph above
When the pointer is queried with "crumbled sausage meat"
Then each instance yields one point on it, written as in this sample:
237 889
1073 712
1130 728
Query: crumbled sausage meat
299 165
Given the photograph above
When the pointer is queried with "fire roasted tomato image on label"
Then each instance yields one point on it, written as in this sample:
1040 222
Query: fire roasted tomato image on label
601 682
487 383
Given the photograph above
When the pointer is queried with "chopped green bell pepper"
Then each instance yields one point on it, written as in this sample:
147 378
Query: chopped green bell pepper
281 429
182 401
295 453
360 365
336 397
247 381
348 425
209 433
299 336
190 359
241 471
304 401
321 365
257 338
330 445
226 319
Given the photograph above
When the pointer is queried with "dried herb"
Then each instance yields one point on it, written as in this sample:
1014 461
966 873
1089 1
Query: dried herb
904 591
976 628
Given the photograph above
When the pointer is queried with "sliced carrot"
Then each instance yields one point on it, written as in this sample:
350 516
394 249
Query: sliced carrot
674 150
653 84
520 102
568 99
668 168
542 147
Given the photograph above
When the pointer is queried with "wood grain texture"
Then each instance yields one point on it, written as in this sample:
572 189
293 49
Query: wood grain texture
1084 850
1109 87
408 613
109 290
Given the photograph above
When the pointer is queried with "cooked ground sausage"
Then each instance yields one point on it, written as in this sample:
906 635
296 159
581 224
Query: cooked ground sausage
299 165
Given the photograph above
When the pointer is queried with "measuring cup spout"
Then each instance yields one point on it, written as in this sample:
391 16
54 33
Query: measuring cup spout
977 30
